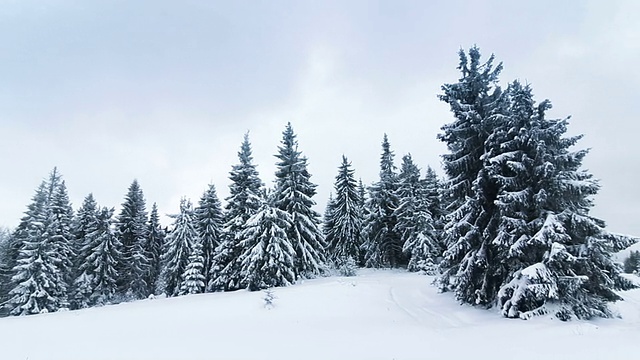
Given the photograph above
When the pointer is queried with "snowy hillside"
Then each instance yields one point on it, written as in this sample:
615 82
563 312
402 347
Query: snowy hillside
376 315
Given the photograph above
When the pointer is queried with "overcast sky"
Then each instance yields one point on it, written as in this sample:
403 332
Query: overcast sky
163 91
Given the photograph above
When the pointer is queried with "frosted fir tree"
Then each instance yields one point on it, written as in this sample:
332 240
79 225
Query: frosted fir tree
268 256
97 283
471 265
132 232
178 245
382 245
293 194
415 226
327 219
209 224
38 276
84 222
343 224
5 271
58 231
433 193
559 256
244 201
193 279
155 244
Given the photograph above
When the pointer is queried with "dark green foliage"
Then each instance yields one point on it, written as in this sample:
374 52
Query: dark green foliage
177 248
268 258
209 222
244 201
155 243
415 225
632 263
132 232
343 222
382 245
519 232
293 194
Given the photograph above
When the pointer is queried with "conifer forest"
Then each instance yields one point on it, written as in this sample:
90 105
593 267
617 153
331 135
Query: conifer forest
507 226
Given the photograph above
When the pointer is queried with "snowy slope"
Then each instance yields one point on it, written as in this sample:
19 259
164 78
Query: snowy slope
376 315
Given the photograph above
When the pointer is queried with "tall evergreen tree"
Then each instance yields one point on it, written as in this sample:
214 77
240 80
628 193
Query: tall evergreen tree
382 244
178 246
433 192
520 234
193 279
415 226
132 232
293 194
5 271
97 280
559 256
85 222
244 201
268 258
327 219
60 235
155 244
209 224
471 266
344 222
39 282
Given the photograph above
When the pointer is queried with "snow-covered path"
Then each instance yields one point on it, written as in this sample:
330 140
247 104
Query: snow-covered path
376 315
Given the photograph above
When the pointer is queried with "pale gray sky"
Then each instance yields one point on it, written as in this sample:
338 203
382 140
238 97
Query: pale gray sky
163 91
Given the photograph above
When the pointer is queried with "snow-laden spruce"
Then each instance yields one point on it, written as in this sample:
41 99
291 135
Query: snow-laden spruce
471 266
382 245
519 234
243 202
101 254
561 255
132 232
193 278
293 194
155 243
40 275
177 248
343 222
209 222
268 256
415 225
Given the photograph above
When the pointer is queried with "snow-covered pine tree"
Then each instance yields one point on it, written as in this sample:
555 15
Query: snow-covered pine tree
293 194
132 232
84 223
17 239
327 220
471 267
5 271
415 226
97 282
244 201
209 224
343 221
433 191
559 256
38 276
193 279
155 243
84 219
60 236
268 257
382 245
177 249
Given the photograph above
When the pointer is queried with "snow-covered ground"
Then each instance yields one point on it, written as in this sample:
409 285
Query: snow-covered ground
376 315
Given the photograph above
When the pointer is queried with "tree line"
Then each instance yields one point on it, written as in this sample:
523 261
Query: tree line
508 226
